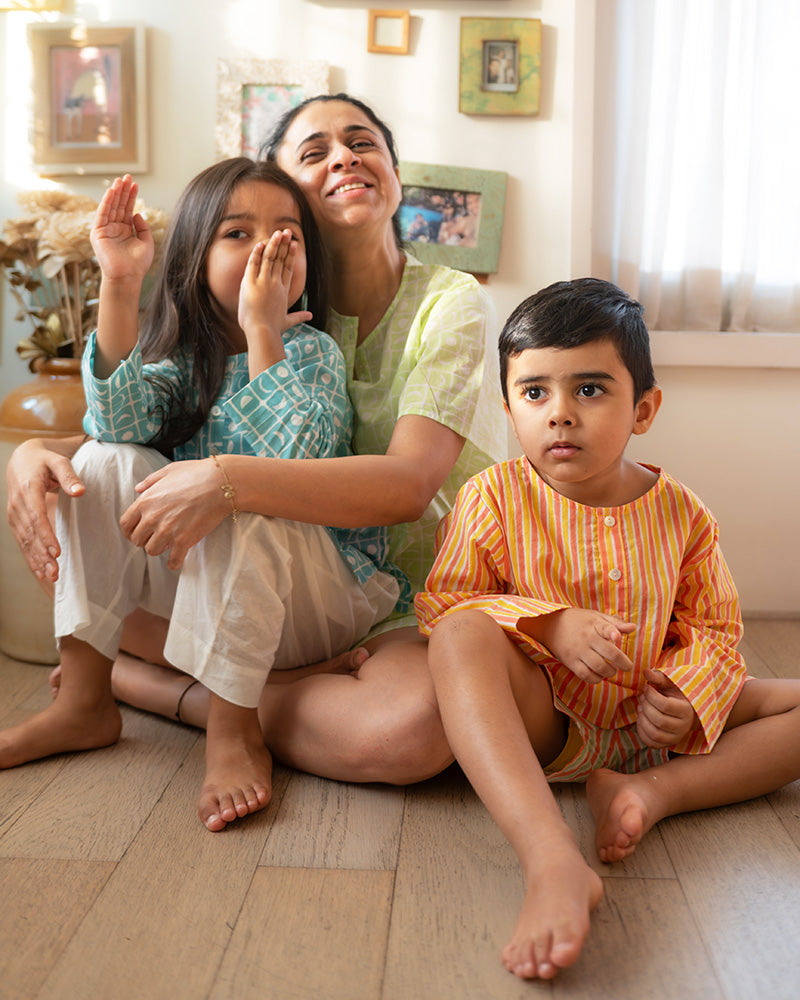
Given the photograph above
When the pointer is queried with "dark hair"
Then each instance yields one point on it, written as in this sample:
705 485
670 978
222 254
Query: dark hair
570 313
272 144
181 315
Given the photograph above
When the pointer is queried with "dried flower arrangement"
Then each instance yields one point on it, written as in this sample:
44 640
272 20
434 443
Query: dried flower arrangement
52 270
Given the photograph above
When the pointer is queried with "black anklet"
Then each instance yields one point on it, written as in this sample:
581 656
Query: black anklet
191 684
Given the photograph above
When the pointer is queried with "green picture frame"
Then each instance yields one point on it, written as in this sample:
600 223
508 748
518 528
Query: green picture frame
453 215
501 62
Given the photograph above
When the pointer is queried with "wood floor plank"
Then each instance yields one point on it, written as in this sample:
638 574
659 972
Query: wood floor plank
330 824
777 643
306 934
43 904
160 927
18 681
457 893
786 803
98 800
643 945
740 873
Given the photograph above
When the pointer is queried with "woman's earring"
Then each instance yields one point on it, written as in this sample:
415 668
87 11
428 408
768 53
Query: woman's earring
304 301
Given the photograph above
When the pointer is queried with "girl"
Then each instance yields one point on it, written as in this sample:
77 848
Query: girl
225 363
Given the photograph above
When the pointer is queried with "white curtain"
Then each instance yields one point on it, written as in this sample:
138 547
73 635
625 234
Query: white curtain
697 164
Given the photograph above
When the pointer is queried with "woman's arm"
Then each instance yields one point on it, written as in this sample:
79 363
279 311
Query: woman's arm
38 467
182 503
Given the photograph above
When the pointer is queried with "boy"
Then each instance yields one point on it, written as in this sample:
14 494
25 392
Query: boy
583 623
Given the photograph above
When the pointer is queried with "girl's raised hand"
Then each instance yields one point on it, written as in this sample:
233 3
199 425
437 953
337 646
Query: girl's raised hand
121 239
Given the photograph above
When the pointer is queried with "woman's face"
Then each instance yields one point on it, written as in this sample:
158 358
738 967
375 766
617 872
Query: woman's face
341 161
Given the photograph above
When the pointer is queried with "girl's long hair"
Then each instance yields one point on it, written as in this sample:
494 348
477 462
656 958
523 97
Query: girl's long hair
181 317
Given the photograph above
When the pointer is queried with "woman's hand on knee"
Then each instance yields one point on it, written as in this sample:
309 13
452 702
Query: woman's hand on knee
33 471
177 507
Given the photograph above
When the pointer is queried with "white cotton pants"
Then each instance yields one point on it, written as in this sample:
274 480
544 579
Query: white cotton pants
252 595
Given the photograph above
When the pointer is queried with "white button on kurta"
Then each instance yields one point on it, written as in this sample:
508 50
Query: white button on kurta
615 574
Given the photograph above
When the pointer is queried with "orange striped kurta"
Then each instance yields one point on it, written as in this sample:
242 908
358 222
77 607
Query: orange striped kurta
515 548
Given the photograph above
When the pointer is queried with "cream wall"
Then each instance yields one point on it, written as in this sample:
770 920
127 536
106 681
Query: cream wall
718 424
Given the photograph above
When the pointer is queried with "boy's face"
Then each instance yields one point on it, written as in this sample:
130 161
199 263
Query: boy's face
573 411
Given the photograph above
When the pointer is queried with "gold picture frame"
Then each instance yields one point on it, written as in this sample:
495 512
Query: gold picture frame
89 98
387 31
500 66
252 93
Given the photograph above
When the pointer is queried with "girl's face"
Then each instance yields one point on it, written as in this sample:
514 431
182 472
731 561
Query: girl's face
255 210
341 161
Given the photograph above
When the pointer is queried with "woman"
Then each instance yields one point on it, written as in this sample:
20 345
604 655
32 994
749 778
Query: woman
415 339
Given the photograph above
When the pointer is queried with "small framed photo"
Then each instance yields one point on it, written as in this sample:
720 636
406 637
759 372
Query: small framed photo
253 93
89 99
500 66
453 215
387 31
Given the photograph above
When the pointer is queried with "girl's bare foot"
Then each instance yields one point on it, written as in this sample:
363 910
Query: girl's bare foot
554 920
238 782
64 726
622 812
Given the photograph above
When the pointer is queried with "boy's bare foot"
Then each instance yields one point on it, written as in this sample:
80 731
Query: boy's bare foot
62 727
554 920
238 779
622 816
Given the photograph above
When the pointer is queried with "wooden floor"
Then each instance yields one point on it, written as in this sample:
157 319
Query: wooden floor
112 890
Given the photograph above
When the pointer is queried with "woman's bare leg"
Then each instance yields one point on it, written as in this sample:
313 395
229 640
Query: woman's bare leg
498 714
353 718
758 753
382 724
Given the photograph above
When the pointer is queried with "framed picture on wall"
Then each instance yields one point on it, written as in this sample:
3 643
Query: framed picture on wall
89 98
387 31
500 66
253 93
453 215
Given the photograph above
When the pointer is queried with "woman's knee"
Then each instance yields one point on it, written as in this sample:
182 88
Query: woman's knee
400 738
400 746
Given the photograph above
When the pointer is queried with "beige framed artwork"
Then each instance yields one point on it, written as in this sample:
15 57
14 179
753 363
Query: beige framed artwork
500 66
253 93
89 98
387 31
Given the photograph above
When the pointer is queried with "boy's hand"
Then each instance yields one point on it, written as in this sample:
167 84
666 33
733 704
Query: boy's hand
665 714
587 642
122 241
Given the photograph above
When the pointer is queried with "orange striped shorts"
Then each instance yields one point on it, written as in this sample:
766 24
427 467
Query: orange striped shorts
589 748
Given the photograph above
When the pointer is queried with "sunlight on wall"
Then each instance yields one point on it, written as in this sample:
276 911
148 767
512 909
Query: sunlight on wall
253 29
17 171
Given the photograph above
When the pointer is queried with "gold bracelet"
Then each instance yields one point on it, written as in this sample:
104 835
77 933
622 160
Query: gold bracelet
227 488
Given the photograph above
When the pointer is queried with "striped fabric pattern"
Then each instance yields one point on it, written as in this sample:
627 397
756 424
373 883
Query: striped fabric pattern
515 549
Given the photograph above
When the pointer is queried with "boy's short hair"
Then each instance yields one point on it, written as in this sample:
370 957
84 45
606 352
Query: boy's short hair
570 313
